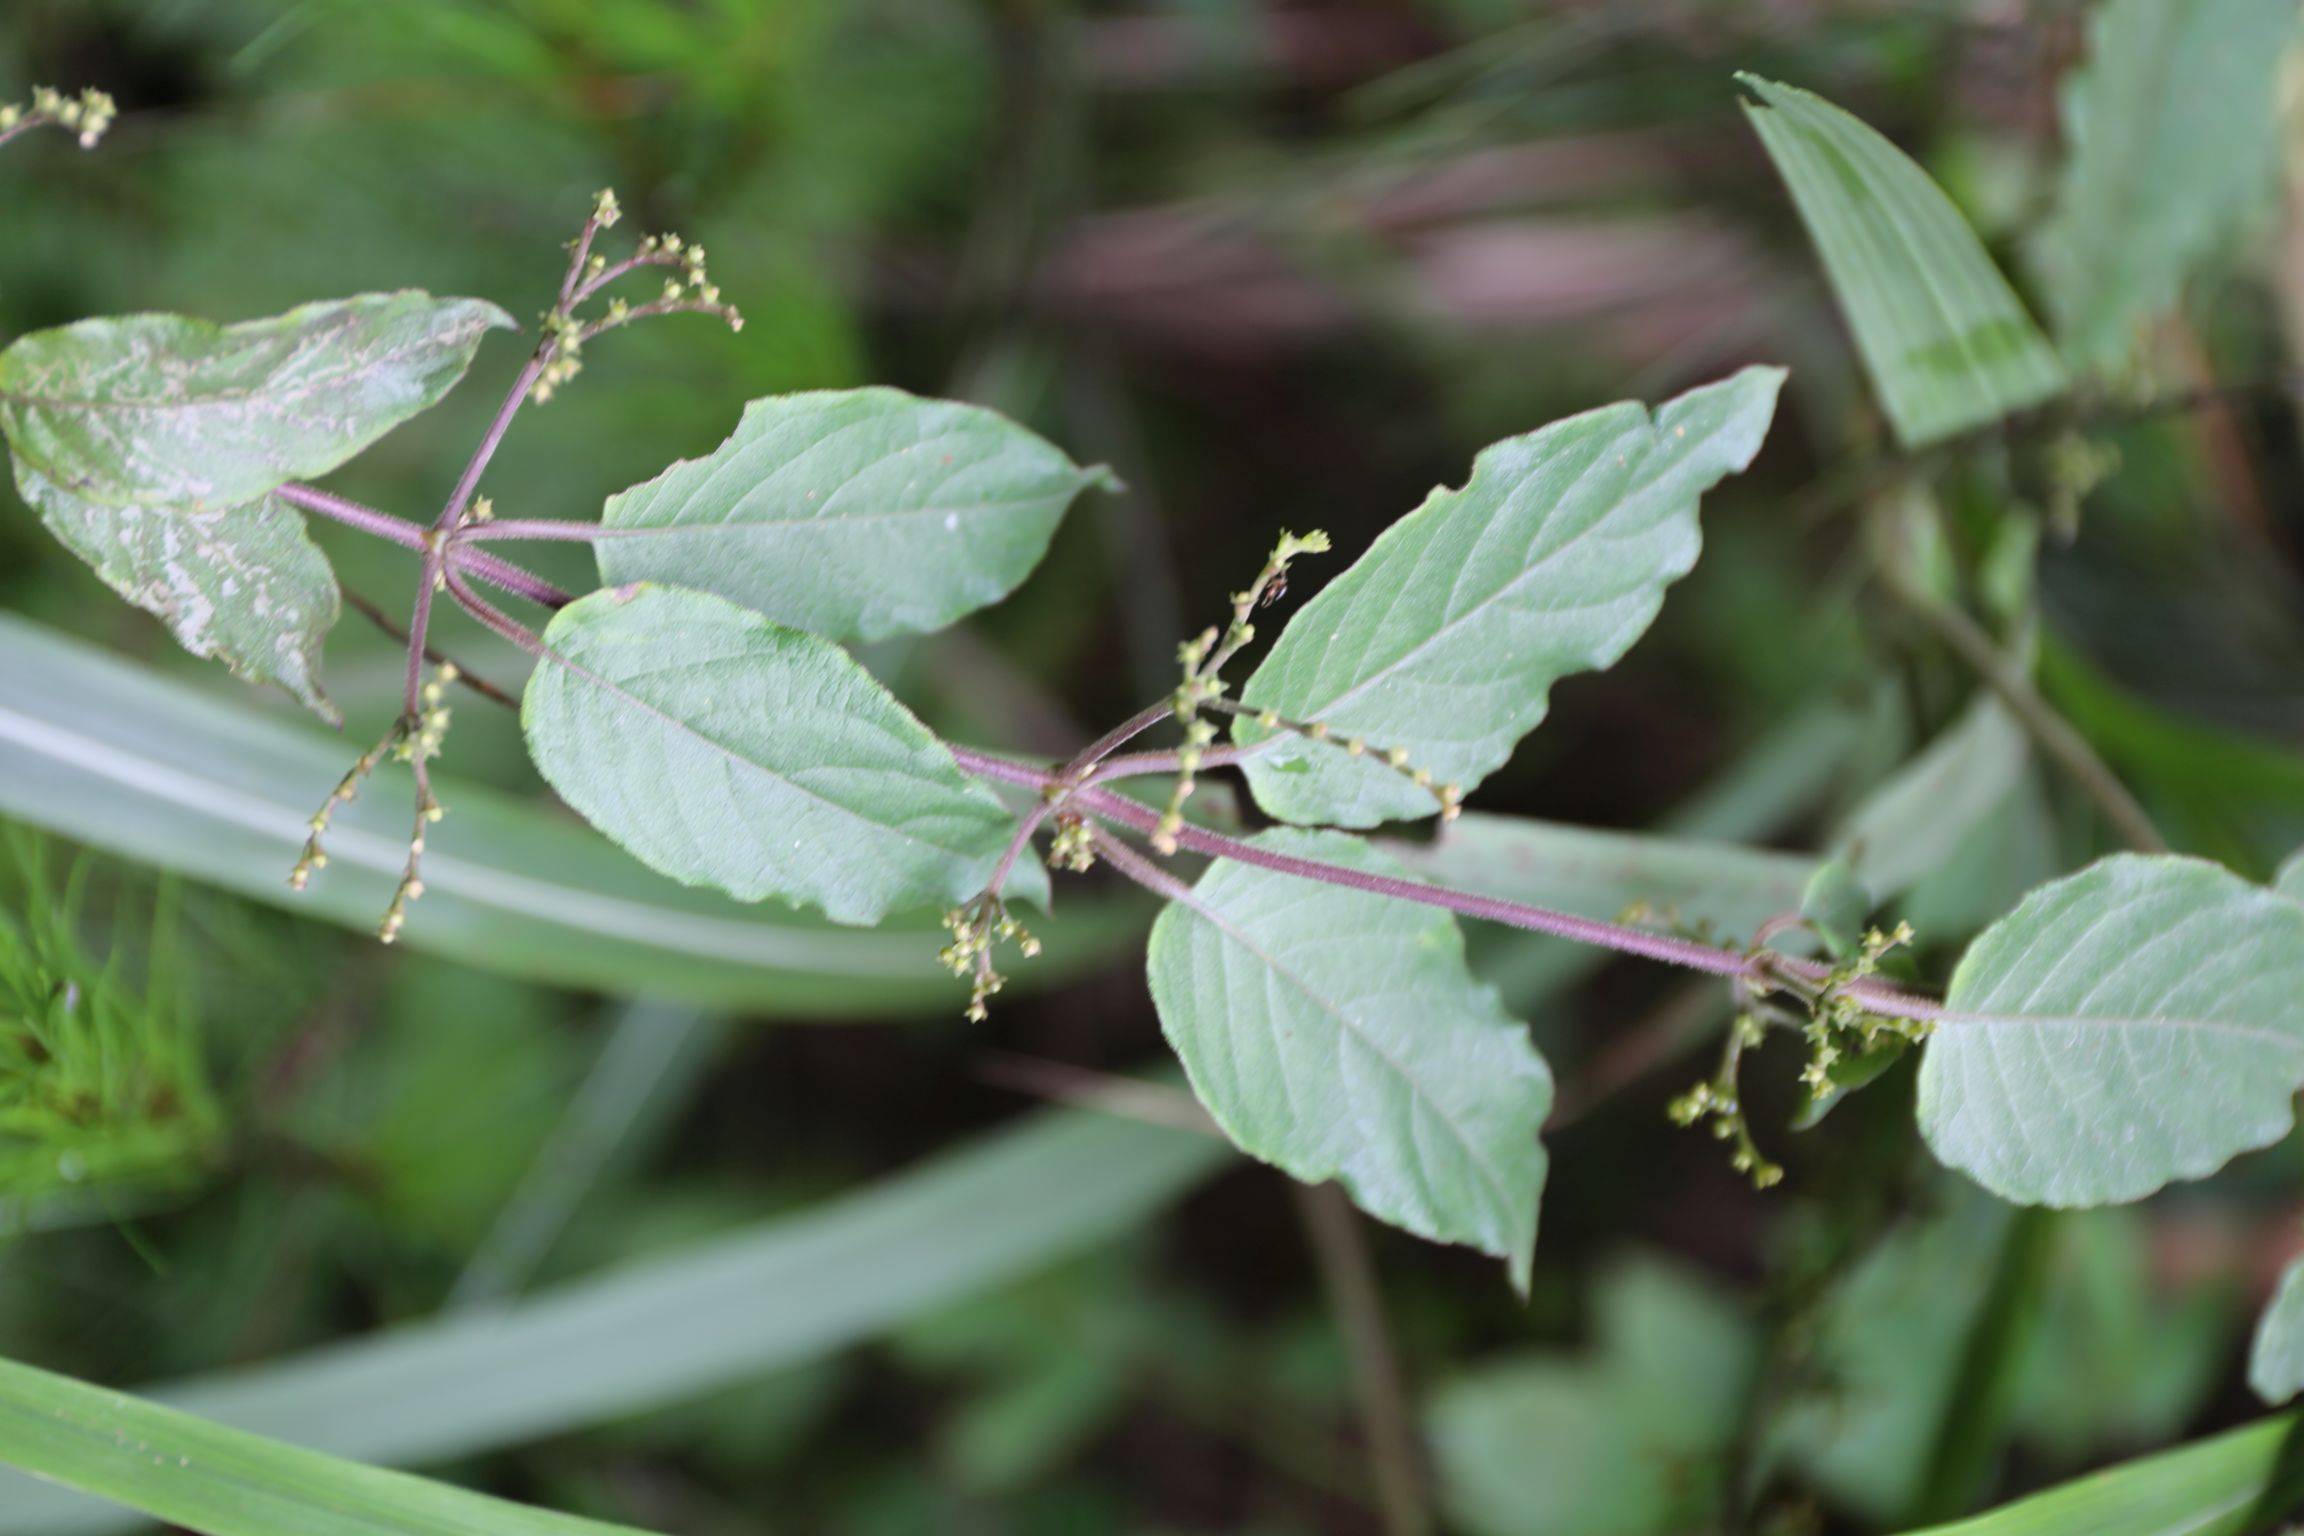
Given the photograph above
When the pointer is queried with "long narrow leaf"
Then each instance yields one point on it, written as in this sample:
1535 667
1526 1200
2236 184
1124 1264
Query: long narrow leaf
1946 342
101 750
2218 1487
790 1290
225 1482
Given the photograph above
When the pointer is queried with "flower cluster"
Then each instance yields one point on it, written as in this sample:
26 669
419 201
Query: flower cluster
418 745
412 739
87 115
1717 1101
1838 1025
688 289
977 929
1203 658
1398 759
1073 847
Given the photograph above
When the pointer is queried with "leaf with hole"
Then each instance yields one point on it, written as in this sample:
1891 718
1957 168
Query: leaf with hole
723 749
857 513
2136 1023
1339 1035
1445 639
1943 337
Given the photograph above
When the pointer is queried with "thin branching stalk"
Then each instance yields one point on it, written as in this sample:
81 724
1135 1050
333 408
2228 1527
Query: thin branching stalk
1764 969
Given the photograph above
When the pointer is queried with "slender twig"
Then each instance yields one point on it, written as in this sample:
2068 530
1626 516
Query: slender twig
1349 1276
1084 762
353 514
492 569
542 528
505 576
492 617
464 674
1765 969
2052 731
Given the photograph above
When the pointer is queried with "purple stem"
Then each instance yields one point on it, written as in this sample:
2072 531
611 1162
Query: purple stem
352 514
510 528
504 574
477 465
1761 971
494 618
497 572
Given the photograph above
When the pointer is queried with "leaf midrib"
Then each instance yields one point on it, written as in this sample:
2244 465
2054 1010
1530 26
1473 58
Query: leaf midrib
737 757
1527 573
1499 1190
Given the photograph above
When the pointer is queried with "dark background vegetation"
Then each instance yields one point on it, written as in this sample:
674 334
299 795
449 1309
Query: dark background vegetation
1282 265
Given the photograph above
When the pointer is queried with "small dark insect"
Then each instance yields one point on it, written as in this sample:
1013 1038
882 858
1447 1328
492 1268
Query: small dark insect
1274 590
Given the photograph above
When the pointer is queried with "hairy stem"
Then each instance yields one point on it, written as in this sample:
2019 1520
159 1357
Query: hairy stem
542 528
493 618
492 569
1765 970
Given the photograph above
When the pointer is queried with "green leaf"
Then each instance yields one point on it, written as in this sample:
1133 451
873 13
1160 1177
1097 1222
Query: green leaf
725 750
243 584
124 758
2290 880
1339 1035
224 1482
2138 1022
855 513
161 410
1946 342
2276 1353
1915 820
1621 1444
1445 638
2171 128
2212 1488
791 1289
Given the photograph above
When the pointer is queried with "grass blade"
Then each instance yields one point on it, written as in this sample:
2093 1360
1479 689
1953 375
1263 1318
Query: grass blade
126 759
789 1290
2241 1481
224 1482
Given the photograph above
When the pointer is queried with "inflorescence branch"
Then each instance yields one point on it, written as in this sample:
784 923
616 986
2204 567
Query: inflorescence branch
86 116
446 547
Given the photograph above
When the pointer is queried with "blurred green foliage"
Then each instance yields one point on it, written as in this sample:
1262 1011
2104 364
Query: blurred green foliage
1282 265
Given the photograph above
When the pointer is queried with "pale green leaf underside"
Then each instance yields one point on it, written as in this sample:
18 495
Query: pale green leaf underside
228 1483
723 749
2139 1022
162 409
1446 637
1339 1035
2170 129
854 513
2289 882
245 584
2210 1488
1945 340
2276 1353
